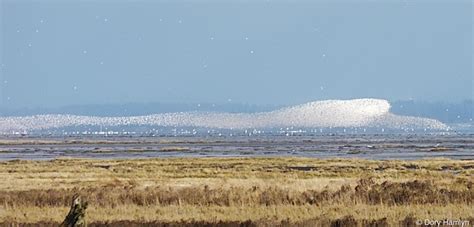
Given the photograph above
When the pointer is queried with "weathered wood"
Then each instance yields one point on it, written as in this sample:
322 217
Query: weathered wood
77 215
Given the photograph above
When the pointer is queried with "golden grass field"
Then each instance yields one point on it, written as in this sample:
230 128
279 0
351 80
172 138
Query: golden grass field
238 191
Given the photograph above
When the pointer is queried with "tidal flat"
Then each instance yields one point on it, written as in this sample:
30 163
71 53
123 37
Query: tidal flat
364 146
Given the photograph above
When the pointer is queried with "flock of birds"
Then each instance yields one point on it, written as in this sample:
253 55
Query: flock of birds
358 113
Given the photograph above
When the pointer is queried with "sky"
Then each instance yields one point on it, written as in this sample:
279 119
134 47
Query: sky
57 53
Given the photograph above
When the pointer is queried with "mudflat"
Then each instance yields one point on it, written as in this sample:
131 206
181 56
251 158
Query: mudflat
366 146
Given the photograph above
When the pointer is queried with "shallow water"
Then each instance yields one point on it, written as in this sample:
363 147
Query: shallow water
324 146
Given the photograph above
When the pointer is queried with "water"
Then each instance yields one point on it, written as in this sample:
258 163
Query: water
375 146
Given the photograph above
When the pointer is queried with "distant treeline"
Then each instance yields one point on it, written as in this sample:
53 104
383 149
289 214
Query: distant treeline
134 109
443 111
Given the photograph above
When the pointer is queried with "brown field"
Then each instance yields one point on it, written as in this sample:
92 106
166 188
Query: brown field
238 191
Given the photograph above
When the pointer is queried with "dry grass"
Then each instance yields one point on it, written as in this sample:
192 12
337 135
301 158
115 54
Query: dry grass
263 191
257 213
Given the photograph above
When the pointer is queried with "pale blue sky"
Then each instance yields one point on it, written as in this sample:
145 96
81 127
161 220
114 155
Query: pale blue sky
56 53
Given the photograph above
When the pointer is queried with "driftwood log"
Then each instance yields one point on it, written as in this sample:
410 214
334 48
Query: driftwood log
77 215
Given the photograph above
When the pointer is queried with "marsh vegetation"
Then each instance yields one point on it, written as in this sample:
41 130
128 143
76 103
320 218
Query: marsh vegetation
234 191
